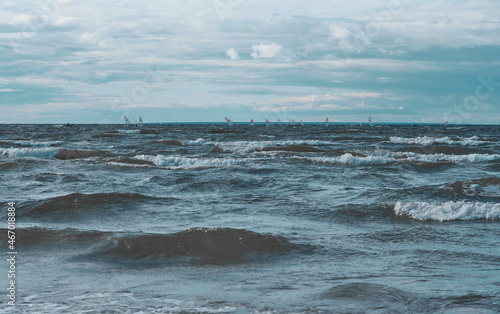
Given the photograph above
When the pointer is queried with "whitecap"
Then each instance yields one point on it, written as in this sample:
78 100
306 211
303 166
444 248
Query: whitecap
448 211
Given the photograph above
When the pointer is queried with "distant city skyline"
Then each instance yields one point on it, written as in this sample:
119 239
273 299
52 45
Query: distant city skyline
200 61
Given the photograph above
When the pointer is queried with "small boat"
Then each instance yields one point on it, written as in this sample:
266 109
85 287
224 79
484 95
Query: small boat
229 122
267 122
326 122
127 121
251 122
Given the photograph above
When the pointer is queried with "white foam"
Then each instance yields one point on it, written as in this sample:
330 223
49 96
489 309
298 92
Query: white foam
129 131
453 158
47 152
123 164
32 143
252 146
425 140
172 162
198 142
448 211
349 159
382 158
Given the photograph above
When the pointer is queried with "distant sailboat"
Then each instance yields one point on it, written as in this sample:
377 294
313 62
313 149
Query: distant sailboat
279 121
141 123
370 120
229 122
445 123
301 123
251 122
267 122
292 122
127 121
326 122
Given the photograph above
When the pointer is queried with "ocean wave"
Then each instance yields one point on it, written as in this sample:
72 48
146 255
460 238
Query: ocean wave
439 149
31 143
448 211
37 236
198 142
172 162
426 140
485 188
388 157
129 131
350 159
46 152
65 154
205 244
169 142
194 244
291 148
252 146
79 204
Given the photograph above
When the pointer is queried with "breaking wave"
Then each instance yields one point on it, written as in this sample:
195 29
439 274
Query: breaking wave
31 143
252 146
47 152
129 131
425 140
171 162
448 211
386 158
198 142
291 148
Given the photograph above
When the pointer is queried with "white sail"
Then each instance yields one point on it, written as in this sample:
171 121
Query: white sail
127 121
140 121
229 122
301 123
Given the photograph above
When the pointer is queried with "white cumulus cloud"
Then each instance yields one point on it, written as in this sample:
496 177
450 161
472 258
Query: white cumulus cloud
264 51
231 53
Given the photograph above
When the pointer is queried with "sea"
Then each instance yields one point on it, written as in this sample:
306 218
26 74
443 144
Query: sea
212 218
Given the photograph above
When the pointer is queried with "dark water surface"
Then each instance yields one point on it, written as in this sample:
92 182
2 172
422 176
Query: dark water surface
207 218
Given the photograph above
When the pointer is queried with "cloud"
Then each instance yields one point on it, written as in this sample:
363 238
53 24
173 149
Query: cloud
232 54
263 51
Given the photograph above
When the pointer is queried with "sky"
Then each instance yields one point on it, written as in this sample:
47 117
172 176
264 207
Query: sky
202 60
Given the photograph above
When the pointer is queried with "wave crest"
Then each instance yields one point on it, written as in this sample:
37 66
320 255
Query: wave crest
207 244
448 211
426 140
172 162
46 152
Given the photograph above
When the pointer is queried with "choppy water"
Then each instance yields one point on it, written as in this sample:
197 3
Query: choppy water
208 218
